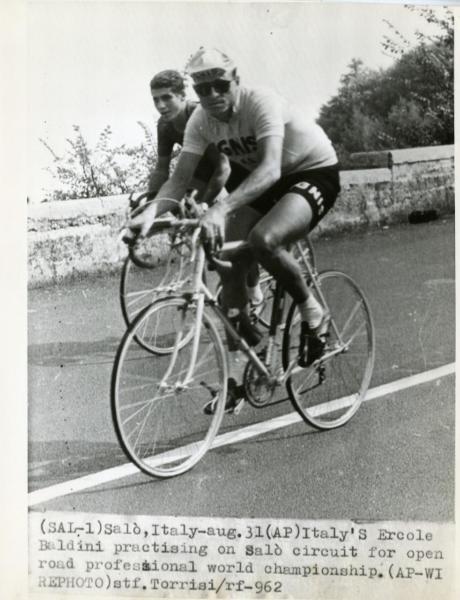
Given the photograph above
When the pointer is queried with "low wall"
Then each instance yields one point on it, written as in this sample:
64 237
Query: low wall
80 237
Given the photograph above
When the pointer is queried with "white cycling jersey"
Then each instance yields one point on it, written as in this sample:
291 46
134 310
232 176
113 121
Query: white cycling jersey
259 113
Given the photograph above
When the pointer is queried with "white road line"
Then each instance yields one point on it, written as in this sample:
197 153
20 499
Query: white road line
108 475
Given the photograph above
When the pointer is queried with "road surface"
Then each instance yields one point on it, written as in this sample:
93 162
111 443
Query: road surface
394 460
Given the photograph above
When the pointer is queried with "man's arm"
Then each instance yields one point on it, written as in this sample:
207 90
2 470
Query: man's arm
173 189
159 174
267 172
220 174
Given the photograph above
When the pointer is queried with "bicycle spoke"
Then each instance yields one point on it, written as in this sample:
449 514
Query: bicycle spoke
139 295
361 329
144 404
350 318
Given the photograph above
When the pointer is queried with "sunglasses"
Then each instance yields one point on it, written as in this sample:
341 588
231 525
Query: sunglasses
221 86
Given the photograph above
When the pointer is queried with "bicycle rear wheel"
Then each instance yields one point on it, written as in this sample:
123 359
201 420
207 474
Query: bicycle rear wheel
328 393
157 415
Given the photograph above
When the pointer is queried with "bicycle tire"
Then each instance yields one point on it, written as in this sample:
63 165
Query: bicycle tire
162 428
328 393
124 292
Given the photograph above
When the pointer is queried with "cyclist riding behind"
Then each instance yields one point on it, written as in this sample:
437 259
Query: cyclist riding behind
168 93
285 180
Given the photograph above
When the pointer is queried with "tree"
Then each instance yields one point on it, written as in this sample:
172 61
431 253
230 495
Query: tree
82 172
409 104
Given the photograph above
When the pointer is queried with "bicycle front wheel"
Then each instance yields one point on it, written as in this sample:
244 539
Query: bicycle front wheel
328 393
158 412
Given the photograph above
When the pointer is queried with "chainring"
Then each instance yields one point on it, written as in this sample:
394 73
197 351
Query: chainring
259 391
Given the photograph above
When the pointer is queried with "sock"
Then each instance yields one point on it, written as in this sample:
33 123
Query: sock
255 294
311 311
235 364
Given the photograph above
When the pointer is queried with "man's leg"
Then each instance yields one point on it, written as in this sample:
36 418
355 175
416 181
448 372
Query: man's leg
234 280
235 299
288 221
255 293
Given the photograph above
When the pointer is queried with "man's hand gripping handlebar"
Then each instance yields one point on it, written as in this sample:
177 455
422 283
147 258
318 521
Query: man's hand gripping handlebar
140 220
144 220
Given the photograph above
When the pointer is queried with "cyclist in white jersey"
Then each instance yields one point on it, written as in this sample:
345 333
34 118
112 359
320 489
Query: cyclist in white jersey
284 179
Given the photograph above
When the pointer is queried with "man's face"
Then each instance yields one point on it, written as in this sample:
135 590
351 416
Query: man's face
217 96
168 103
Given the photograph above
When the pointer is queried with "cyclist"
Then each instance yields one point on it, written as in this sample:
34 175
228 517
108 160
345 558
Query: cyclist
287 179
168 93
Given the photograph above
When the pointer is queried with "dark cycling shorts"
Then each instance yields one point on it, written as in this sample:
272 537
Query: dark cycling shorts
320 187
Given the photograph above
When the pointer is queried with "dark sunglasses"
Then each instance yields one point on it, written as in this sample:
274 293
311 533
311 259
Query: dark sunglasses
221 86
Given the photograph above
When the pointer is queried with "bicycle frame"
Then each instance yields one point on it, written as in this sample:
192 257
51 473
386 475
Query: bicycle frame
199 293
173 358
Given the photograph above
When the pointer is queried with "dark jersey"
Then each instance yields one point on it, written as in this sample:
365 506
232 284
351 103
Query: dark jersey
168 136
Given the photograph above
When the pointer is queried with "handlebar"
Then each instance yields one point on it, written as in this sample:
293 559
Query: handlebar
130 237
137 204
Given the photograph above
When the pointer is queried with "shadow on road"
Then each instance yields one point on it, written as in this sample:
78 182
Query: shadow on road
58 354
61 460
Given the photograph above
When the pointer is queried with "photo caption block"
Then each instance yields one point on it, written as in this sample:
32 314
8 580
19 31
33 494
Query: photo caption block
173 557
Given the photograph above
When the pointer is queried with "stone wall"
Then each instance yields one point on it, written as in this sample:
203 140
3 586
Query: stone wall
80 237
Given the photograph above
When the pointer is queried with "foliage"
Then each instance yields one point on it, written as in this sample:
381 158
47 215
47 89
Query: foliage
107 169
409 104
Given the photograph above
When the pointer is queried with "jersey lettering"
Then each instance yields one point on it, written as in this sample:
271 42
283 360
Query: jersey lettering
307 188
314 191
237 147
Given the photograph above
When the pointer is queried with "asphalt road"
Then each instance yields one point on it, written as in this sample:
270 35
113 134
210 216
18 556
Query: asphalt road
393 460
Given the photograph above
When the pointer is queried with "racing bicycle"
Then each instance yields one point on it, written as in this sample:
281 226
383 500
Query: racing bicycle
160 387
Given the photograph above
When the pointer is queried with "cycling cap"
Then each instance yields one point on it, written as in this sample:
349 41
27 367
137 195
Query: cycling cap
208 64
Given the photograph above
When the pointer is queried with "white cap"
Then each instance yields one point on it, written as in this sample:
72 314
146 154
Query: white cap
209 64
